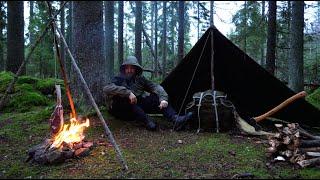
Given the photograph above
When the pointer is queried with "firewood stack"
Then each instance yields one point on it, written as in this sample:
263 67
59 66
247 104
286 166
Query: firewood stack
293 144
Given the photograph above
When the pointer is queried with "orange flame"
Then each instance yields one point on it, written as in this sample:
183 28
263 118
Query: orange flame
70 133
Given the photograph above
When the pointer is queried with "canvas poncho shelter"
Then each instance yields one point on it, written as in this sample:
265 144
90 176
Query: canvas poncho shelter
249 86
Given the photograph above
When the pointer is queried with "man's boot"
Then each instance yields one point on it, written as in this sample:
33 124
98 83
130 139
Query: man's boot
180 121
150 125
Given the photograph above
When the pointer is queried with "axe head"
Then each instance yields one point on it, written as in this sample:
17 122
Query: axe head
253 122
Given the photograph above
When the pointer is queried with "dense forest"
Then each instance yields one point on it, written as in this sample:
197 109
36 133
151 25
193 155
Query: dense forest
271 130
159 34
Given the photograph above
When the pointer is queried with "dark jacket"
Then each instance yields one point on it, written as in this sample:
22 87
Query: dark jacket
138 85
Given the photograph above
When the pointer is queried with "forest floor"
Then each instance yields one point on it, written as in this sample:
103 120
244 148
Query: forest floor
161 154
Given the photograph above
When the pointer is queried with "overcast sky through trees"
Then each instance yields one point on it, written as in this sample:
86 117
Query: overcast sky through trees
224 10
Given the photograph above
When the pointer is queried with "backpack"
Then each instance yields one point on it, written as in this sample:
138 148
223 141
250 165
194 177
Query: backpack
213 112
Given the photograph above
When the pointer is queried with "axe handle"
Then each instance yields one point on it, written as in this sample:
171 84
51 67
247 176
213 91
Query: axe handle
280 106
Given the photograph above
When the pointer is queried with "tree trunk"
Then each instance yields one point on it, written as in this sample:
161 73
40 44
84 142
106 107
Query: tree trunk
172 29
15 42
245 26
198 15
31 35
69 37
164 37
156 38
271 37
120 33
88 37
296 78
1 51
138 31
181 31
62 27
2 27
262 45
109 43
211 13
288 37
40 67
151 37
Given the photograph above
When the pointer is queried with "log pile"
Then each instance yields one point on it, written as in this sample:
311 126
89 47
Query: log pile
293 144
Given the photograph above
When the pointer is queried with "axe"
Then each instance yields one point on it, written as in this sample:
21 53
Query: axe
253 120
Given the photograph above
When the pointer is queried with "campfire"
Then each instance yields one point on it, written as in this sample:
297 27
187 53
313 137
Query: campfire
66 140
295 145
67 143
70 134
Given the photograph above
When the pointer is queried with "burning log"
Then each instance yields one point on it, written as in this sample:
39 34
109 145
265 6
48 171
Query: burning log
43 154
295 145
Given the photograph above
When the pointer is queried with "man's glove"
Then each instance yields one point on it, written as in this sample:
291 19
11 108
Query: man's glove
163 104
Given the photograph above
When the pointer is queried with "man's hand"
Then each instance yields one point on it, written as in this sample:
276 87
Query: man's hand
163 104
132 98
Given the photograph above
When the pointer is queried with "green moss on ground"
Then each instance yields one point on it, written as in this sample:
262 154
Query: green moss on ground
27 80
22 101
314 98
28 92
148 154
160 154
5 79
47 86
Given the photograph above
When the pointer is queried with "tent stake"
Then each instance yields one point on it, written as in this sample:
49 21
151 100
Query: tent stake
24 62
107 130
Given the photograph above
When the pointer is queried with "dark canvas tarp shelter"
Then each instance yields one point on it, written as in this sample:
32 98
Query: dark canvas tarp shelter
250 87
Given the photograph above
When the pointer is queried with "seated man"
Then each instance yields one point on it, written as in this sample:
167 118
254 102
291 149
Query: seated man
127 99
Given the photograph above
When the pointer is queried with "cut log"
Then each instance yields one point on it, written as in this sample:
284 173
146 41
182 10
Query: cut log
313 154
309 143
309 162
308 135
311 149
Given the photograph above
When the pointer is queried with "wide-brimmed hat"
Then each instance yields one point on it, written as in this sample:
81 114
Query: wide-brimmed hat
132 60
